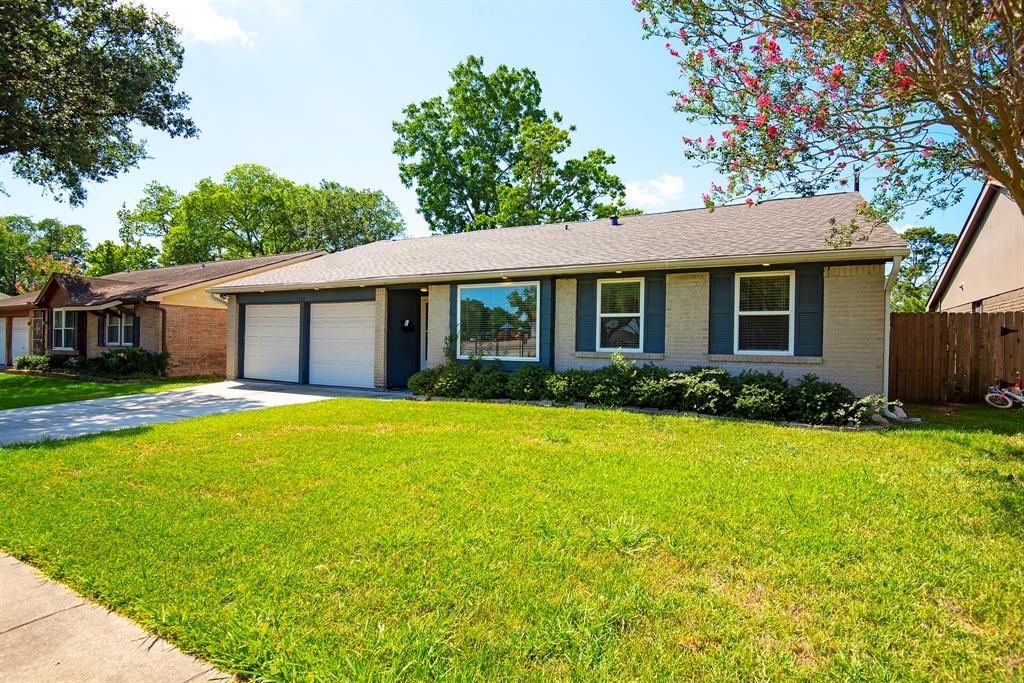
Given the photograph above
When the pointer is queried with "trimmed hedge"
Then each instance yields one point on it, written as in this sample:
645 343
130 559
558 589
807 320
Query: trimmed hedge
707 390
127 362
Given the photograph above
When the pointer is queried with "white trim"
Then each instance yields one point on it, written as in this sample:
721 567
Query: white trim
458 320
600 315
63 330
120 327
791 312
824 256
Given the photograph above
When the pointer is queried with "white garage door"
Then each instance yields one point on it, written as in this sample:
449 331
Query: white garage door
341 344
271 342
19 337
3 341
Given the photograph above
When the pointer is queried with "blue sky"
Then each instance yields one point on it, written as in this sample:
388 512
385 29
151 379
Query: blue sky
310 89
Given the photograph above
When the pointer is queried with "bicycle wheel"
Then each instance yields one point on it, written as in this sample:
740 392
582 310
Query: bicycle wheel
998 401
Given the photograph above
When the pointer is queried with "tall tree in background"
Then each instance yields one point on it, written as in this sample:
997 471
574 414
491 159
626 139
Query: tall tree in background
255 212
29 248
77 77
919 272
487 156
110 257
924 94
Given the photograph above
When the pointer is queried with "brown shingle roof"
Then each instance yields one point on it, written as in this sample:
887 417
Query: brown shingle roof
139 284
777 227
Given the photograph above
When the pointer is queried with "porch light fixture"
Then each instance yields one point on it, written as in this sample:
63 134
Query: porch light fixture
765 264
424 290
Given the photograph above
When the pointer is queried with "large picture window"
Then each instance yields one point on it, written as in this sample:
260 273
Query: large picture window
620 312
764 313
64 330
499 321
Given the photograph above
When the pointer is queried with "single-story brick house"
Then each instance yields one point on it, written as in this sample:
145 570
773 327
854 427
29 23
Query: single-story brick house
985 272
161 309
742 287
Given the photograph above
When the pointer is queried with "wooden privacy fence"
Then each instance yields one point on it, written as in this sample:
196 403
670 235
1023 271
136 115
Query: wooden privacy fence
952 357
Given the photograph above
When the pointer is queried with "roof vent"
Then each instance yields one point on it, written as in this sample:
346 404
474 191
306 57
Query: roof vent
615 220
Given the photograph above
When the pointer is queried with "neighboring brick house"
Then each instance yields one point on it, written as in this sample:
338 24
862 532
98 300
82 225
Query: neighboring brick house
985 272
161 309
742 287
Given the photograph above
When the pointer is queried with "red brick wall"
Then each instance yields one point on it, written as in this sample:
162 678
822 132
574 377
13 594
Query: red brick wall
196 340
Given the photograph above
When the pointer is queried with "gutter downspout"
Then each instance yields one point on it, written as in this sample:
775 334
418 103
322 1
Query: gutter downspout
888 412
217 298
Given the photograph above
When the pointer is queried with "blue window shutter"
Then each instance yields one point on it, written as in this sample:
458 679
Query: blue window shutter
810 311
586 314
720 320
654 314
135 331
101 330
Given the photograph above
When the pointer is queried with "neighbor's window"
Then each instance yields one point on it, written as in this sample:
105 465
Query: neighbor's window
764 313
120 330
64 329
620 313
499 321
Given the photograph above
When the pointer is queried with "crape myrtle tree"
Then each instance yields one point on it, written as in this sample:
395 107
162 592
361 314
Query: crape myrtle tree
487 155
78 78
924 95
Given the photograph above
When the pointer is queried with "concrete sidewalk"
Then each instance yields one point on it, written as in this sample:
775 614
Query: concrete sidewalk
48 634
62 420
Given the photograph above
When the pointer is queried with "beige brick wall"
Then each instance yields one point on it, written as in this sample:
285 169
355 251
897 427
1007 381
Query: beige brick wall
1000 303
380 343
150 328
439 321
231 334
852 343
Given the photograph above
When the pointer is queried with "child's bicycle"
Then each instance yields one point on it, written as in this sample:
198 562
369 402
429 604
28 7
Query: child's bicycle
1005 395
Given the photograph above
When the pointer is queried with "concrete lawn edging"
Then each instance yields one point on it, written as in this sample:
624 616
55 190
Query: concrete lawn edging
878 426
84 378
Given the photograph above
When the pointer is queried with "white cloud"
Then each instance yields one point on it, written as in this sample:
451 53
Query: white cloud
200 21
654 193
904 227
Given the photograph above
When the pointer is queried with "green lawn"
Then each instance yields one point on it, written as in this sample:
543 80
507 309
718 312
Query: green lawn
363 539
18 391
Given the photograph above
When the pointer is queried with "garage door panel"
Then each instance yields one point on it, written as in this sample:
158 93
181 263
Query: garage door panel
272 342
341 344
19 337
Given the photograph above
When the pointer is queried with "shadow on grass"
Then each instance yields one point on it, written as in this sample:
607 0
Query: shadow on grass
966 419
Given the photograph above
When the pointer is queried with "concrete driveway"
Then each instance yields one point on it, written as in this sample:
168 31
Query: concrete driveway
63 420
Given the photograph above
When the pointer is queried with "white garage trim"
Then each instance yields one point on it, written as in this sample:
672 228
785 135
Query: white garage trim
3 341
19 338
271 342
341 343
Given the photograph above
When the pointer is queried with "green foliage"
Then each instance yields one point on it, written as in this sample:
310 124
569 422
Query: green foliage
817 402
701 392
255 212
424 381
920 270
132 362
31 250
613 384
488 383
923 95
570 386
32 362
110 257
487 155
454 379
528 382
80 77
762 396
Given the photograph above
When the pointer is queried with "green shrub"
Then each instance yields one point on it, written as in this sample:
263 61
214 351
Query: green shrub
652 392
700 392
132 362
487 384
424 381
570 386
453 380
817 402
528 383
33 362
612 385
762 396
860 411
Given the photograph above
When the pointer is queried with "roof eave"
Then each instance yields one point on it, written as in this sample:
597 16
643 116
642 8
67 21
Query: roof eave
867 254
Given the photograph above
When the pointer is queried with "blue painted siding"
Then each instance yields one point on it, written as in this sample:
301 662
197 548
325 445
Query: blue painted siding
586 314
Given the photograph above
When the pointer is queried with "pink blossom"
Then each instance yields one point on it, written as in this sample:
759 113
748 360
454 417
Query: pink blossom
879 57
750 202
760 119
772 131
764 100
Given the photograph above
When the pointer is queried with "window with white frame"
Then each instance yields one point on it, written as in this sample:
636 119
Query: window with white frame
620 314
764 313
64 330
120 330
499 321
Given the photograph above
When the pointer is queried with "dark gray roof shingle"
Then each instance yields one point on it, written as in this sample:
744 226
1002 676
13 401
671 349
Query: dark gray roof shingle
782 226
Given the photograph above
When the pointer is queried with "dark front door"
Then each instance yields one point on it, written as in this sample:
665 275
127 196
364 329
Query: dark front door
403 335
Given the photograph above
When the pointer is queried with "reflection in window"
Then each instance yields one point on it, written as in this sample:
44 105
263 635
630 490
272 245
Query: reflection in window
498 321
620 314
